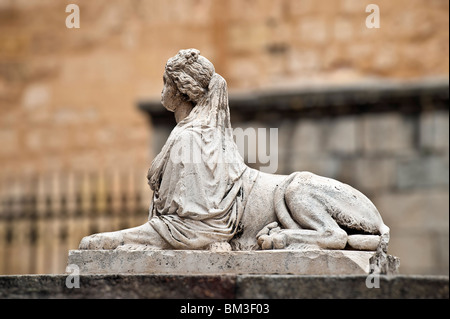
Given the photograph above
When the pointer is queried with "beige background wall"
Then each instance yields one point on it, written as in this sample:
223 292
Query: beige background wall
68 96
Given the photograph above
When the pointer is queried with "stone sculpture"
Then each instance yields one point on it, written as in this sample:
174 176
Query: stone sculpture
206 197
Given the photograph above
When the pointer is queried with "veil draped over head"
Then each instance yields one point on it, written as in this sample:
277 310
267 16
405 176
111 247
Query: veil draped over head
198 193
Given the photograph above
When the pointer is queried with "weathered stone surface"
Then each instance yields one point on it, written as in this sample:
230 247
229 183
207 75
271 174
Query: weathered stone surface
196 262
416 212
423 172
223 287
118 286
204 192
342 137
341 287
382 136
434 127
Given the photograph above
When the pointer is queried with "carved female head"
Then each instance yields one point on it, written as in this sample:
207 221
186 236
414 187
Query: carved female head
186 78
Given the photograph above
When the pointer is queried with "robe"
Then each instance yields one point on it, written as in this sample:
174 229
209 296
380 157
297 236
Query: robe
199 196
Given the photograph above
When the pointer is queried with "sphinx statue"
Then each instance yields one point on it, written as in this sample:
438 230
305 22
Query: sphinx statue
205 196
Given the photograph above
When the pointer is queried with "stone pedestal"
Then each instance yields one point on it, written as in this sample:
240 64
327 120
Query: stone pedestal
228 288
200 262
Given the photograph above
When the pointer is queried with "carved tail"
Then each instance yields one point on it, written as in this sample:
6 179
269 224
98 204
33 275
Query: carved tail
384 239
381 262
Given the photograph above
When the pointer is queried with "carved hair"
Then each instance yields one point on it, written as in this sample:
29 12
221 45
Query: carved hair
191 73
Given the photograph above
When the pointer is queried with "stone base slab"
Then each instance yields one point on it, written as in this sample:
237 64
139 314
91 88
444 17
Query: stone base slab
237 287
200 262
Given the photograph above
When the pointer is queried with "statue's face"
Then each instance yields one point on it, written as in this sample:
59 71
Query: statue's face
169 95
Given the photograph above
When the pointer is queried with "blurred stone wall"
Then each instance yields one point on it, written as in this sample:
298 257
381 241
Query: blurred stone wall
68 97
401 162
391 143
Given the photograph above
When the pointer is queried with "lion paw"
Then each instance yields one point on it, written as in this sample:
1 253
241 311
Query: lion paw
101 241
271 237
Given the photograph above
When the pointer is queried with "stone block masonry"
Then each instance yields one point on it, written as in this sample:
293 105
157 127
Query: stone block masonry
68 96
60 85
406 176
389 141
